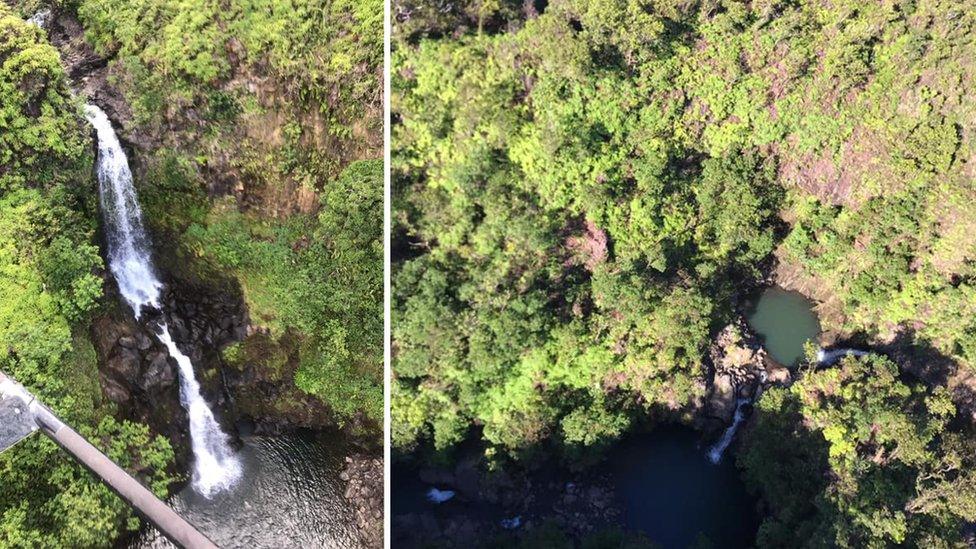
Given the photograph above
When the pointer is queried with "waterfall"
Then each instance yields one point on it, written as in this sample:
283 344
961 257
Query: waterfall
215 466
716 451
829 357
128 246
40 18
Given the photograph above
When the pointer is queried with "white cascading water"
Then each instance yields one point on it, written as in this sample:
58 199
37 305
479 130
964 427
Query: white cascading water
215 467
40 18
829 357
716 451
128 246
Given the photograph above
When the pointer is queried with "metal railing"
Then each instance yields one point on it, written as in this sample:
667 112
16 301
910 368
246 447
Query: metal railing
22 414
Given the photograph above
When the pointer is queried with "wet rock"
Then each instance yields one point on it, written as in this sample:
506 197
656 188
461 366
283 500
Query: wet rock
364 489
777 374
159 372
114 391
125 364
739 366
143 342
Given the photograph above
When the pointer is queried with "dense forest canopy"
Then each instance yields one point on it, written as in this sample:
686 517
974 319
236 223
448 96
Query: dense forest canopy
583 189
254 131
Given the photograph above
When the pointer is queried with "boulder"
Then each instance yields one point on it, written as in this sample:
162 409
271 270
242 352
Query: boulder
778 375
143 342
159 372
125 365
115 391
721 400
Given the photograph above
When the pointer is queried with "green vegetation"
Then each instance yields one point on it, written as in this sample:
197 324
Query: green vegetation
252 125
578 252
321 277
581 194
897 475
320 55
49 289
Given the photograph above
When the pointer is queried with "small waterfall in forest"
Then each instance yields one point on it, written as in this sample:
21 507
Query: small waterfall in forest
716 451
41 18
829 357
215 466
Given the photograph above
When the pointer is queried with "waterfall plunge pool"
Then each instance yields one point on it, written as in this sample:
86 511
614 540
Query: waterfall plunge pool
291 496
662 482
669 490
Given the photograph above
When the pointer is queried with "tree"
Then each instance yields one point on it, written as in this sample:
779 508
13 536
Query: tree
879 465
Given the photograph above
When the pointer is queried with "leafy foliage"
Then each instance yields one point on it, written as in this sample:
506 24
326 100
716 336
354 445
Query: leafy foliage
177 50
573 260
263 112
319 278
614 168
581 191
897 474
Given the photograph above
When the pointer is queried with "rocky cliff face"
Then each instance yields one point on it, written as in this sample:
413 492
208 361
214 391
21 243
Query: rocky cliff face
136 371
741 368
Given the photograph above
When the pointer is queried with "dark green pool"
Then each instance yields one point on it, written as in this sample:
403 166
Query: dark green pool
784 321
671 492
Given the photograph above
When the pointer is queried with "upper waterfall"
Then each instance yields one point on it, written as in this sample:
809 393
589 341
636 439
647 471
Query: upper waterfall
128 247
215 466
716 451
